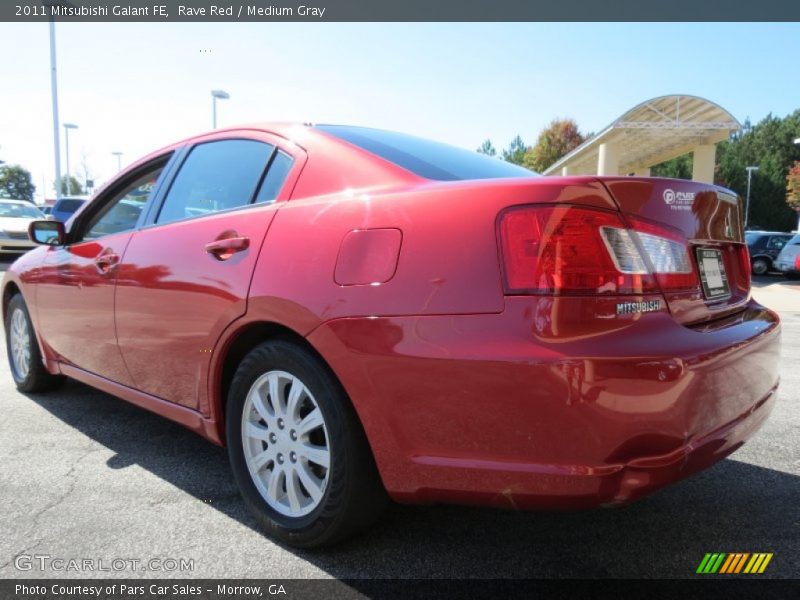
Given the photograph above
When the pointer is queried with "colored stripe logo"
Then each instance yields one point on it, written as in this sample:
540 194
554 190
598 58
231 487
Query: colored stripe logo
734 563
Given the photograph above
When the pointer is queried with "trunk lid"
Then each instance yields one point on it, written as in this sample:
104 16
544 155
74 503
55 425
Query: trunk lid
710 219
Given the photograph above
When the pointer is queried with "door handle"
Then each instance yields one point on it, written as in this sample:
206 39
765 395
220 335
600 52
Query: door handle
225 248
106 262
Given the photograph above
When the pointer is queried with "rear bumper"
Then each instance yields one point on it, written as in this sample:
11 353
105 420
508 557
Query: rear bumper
786 261
642 475
554 403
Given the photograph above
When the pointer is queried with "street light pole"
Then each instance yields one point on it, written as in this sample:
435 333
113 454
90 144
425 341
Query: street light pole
747 201
54 96
222 95
118 154
67 127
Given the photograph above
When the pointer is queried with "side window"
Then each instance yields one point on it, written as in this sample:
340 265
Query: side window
123 212
215 176
273 182
777 242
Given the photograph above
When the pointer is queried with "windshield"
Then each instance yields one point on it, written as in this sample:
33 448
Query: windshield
24 211
426 158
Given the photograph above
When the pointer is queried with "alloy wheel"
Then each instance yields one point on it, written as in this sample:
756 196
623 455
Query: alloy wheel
20 344
286 444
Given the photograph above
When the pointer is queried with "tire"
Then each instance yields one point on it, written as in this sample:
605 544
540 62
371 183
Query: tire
327 504
24 357
760 266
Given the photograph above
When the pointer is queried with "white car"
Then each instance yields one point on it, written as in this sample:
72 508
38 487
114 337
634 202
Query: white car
788 261
15 216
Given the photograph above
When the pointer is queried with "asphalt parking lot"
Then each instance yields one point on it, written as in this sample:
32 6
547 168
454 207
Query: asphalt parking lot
85 475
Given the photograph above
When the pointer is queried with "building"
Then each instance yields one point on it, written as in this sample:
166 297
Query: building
651 133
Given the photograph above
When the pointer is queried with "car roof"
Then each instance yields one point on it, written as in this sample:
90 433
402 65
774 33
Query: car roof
13 201
303 135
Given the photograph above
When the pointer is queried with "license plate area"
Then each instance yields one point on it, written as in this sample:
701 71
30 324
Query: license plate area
712 274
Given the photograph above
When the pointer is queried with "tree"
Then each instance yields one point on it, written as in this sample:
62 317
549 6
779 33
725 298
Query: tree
487 148
515 153
560 137
769 145
16 182
793 190
679 167
73 189
793 187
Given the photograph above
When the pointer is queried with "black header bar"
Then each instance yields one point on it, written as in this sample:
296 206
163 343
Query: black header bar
399 10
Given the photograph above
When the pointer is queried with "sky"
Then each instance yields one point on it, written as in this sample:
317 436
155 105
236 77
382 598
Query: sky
134 88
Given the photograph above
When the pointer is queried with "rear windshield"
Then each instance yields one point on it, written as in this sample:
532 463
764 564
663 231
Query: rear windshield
69 206
425 158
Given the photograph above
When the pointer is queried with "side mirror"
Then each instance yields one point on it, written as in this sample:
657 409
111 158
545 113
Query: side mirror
49 233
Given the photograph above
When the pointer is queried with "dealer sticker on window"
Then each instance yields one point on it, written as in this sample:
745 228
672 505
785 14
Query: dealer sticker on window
712 274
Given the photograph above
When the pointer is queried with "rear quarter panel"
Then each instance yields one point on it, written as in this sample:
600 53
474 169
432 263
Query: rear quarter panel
448 262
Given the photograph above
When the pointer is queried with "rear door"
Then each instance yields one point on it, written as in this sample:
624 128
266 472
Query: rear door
708 219
185 276
776 243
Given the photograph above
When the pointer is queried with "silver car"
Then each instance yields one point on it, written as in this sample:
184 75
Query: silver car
788 261
15 216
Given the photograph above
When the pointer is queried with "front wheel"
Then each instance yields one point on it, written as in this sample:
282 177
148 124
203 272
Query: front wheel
24 357
297 449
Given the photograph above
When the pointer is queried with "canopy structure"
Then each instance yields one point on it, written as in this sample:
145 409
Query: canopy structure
650 133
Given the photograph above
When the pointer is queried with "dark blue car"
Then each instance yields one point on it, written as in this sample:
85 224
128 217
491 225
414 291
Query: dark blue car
764 247
65 207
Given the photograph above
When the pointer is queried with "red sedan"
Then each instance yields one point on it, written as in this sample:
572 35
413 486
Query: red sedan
357 313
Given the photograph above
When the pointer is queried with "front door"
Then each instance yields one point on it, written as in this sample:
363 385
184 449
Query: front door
185 277
75 292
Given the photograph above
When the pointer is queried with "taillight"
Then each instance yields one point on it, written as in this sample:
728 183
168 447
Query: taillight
572 250
797 261
745 267
562 250
668 254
